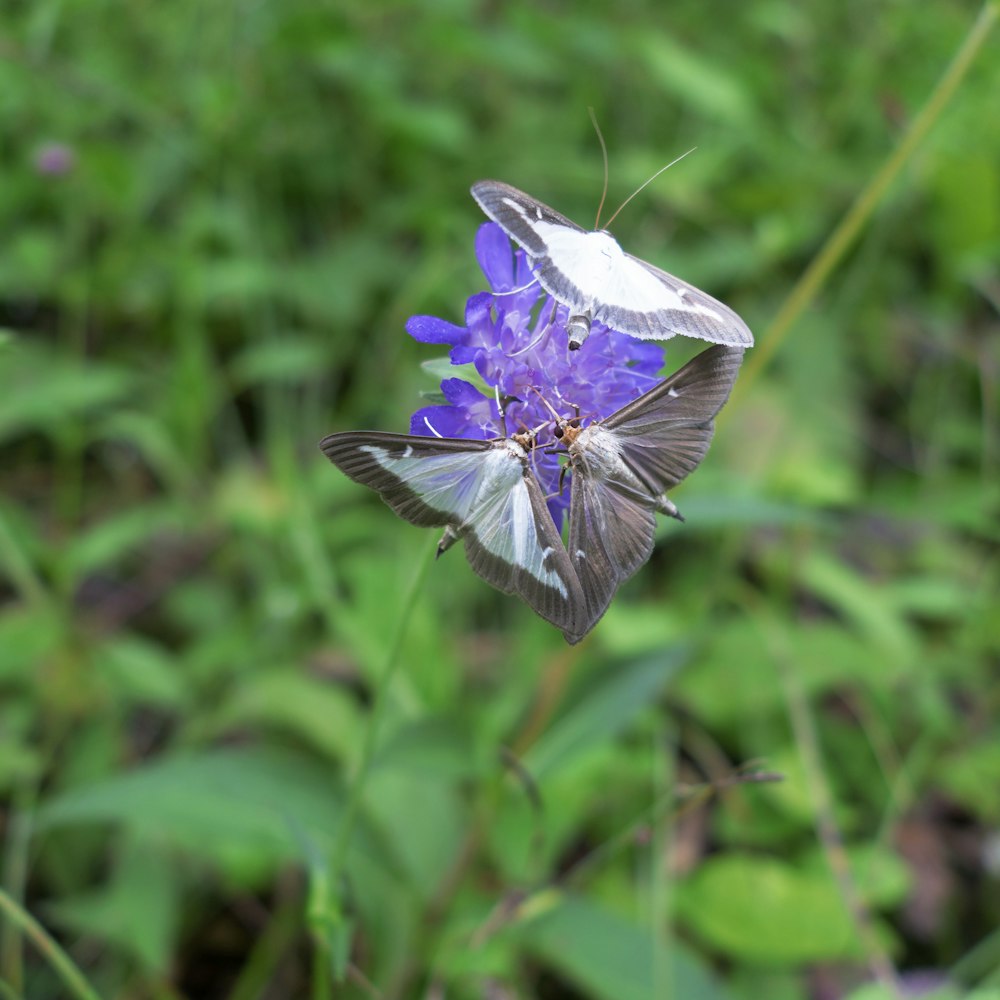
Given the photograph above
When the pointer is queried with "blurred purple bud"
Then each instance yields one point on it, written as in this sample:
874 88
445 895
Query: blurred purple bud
54 159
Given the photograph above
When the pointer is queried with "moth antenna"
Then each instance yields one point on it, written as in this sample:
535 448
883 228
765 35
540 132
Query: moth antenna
546 330
430 427
514 291
647 183
604 154
548 406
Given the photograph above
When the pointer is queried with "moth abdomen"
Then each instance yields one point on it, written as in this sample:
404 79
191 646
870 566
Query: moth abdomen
578 329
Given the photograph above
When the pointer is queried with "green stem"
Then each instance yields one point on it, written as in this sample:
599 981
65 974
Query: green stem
840 240
828 832
380 700
7 992
49 949
14 875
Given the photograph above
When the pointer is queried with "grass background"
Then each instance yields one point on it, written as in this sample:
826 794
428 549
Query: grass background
216 219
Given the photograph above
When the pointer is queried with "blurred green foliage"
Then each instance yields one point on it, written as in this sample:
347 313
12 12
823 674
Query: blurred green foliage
216 219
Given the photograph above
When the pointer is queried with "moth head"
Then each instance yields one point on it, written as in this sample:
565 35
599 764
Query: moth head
527 437
567 431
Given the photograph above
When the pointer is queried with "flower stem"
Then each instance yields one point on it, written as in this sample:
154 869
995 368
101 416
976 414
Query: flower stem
47 946
379 700
840 240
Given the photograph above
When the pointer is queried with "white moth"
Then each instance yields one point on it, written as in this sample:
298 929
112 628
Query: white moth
598 281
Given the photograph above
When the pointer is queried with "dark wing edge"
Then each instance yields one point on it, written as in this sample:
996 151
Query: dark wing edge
692 395
611 532
491 195
731 332
664 437
562 611
344 450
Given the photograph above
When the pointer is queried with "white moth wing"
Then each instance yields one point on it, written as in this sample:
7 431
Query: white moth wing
521 216
486 492
697 313
427 481
591 274
503 524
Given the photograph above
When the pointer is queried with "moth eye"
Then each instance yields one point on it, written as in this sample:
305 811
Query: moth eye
558 432
575 422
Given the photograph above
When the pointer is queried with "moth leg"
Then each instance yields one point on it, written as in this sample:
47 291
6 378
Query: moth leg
448 539
665 506
562 477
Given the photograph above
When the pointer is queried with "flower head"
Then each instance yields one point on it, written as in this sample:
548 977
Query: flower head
515 335
54 159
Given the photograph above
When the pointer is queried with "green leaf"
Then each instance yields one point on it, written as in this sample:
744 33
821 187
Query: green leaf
422 822
431 746
28 636
876 991
797 916
604 707
245 809
141 672
138 909
110 540
696 79
310 709
39 391
291 358
613 959
970 775
442 368
861 601
882 877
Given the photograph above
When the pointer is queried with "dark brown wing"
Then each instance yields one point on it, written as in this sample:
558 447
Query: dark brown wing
610 536
664 434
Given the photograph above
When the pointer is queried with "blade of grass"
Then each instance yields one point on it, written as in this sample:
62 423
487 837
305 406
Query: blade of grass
338 862
830 255
49 949
827 829
15 879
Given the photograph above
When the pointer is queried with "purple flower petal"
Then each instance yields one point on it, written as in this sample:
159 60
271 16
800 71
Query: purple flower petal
518 342
431 330
495 257
458 392
438 421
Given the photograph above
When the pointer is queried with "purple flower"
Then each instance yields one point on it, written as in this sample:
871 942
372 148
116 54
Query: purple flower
54 159
515 336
